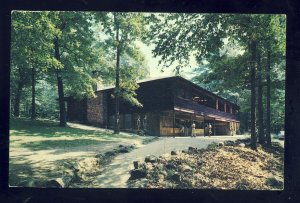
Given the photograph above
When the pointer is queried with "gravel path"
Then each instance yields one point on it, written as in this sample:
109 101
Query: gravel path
117 172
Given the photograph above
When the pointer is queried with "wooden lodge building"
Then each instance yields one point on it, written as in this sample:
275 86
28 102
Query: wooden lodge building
170 106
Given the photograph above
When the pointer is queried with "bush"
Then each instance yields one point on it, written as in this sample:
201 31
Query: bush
273 182
212 146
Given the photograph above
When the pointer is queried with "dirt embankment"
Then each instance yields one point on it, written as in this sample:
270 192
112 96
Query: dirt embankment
228 165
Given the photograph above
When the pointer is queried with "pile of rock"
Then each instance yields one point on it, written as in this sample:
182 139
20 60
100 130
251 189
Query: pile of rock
172 170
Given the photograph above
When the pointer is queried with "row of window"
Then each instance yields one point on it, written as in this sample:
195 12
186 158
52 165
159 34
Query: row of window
185 93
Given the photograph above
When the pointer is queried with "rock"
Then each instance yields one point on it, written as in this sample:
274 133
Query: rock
241 145
131 146
192 148
184 151
123 150
121 145
229 143
160 177
110 153
159 166
137 174
171 166
151 159
142 183
185 168
164 173
99 156
149 166
201 150
57 183
220 144
136 164
200 163
173 153
178 162
176 177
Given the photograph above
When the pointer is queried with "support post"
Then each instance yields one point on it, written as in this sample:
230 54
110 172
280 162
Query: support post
173 123
217 104
214 126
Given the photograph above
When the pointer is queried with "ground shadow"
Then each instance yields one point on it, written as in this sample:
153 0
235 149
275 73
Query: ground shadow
59 144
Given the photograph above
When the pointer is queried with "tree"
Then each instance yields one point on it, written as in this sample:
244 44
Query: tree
123 30
74 54
178 36
30 53
54 46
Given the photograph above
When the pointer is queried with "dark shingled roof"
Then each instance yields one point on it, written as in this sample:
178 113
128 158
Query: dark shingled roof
175 77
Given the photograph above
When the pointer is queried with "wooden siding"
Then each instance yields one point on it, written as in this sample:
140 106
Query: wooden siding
191 107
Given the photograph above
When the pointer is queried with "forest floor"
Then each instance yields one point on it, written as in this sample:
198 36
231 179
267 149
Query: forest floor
228 165
40 150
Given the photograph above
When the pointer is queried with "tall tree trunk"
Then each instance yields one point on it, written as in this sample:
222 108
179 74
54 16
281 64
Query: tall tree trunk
253 72
60 88
17 100
33 111
260 111
117 88
268 119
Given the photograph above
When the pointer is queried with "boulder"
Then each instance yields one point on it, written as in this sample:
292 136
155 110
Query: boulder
163 172
110 153
220 144
241 145
201 150
176 177
229 143
136 164
151 159
200 163
99 156
149 166
121 145
159 167
185 168
192 148
173 153
171 166
57 183
123 150
137 174
178 162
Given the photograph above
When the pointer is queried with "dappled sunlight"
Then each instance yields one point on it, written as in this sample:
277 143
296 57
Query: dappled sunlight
39 148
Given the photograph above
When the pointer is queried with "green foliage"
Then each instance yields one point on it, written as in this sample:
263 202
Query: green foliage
212 146
132 62
33 35
78 56
46 104
220 44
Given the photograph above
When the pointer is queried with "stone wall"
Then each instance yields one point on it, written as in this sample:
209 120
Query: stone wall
97 110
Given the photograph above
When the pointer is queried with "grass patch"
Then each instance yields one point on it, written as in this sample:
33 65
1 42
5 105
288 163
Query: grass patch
47 128
58 144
